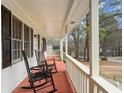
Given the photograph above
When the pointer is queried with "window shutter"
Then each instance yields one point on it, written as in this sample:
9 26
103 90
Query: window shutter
38 45
44 44
32 42
6 37
39 41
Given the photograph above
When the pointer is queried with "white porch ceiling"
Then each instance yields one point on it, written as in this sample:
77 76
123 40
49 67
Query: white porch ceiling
52 15
49 15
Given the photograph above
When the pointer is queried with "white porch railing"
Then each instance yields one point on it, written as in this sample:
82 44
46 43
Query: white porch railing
84 82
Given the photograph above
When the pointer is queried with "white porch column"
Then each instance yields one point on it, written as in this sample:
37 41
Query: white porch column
66 44
66 40
94 37
61 49
94 42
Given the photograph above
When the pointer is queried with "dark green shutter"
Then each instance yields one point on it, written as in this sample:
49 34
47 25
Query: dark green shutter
44 44
6 37
38 41
32 42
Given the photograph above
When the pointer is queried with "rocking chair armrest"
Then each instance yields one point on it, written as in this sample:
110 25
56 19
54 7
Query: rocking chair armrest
48 70
43 71
34 68
51 59
37 67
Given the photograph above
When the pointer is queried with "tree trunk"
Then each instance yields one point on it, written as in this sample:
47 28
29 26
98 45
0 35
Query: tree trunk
86 49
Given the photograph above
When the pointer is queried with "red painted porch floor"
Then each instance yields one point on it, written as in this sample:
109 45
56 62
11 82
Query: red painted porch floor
62 83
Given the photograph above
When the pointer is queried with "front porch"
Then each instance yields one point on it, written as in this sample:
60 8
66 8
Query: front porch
62 81
46 25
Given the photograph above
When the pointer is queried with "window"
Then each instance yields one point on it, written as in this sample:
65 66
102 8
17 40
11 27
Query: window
110 33
16 39
27 40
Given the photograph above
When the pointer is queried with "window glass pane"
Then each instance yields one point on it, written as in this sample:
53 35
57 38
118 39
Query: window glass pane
14 54
17 28
110 33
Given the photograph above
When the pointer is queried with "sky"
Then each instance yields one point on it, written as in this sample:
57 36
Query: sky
106 6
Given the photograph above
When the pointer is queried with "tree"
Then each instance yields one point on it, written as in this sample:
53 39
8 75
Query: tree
76 36
79 38
86 48
110 26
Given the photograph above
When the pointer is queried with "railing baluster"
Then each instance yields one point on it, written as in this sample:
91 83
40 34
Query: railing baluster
95 88
81 82
87 84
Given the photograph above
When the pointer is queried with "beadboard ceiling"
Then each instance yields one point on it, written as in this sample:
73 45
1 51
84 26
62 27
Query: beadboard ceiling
50 15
